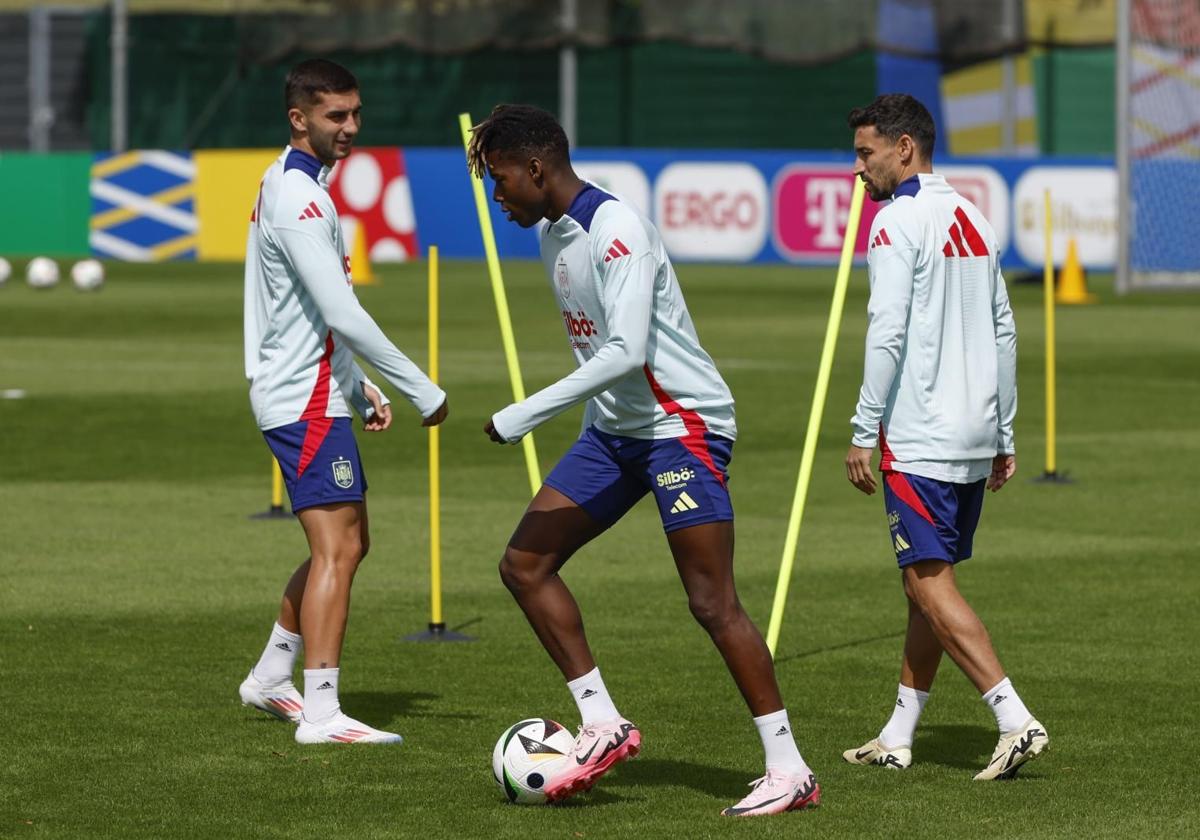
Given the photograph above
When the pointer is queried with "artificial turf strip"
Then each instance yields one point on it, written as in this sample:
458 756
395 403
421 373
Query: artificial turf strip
135 593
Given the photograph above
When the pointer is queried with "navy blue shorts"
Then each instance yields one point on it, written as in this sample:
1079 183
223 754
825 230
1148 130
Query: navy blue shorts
319 460
931 519
607 474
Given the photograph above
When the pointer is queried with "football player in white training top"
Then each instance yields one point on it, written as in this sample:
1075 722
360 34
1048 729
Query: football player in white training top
938 398
659 419
303 327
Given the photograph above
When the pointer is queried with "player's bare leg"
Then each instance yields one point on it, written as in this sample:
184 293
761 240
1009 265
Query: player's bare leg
931 585
293 593
293 596
892 749
704 558
337 539
922 652
552 529
269 686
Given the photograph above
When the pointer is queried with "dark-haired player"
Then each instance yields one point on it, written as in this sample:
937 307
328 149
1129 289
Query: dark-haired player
659 420
939 395
303 327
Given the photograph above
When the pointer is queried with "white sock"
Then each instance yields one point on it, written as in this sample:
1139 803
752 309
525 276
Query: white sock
320 694
900 729
279 657
1010 712
778 743
592 698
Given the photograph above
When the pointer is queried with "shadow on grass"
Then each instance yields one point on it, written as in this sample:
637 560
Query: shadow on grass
720 782
383 708
856 643
955 745
597 797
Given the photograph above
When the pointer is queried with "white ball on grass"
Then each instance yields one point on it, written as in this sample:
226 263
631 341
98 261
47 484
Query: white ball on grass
5 270
87 275
528 756
41 273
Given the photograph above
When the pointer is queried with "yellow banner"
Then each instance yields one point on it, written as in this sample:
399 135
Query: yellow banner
1071 21
973 108
226 188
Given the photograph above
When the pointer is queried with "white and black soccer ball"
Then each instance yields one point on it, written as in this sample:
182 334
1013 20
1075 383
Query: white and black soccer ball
5 270
528 756
41 273
87 275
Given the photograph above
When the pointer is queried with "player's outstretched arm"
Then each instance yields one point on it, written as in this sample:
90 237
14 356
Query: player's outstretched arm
628 289
439 416
320 269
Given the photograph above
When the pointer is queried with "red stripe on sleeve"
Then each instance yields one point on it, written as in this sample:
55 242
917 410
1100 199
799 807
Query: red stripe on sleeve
883 235
973 238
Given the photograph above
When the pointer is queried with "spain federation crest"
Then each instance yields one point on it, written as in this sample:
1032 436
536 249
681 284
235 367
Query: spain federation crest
343 474
564 281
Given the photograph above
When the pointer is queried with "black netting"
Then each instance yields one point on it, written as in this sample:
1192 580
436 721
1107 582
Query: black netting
798 31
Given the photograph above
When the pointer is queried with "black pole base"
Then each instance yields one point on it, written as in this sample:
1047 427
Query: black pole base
274 512
1053 478
438 633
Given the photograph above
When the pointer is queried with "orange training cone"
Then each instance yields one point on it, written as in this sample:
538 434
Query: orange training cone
1072 284
360 263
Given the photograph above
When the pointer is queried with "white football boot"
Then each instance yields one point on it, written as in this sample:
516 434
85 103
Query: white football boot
1014 749
280 700
340 728
874 752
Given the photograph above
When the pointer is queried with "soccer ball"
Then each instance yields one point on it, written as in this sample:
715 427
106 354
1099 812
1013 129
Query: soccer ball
528 755
87 275
41 273
5 270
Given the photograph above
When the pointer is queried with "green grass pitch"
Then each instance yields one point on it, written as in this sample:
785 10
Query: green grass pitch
135 592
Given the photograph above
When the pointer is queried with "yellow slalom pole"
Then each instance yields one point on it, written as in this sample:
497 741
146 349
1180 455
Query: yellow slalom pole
506 331
437 631
1048 295
275 511
435 479
814 418
276 486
